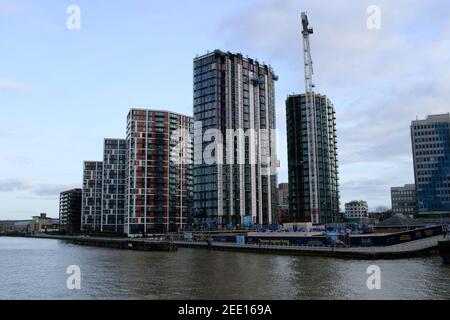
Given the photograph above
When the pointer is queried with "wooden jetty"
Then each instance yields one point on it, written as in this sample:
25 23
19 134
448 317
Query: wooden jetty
137 244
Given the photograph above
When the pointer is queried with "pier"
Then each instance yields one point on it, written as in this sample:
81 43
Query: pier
115 243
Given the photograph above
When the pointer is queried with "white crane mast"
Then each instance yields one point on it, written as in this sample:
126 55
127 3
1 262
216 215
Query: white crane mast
310 120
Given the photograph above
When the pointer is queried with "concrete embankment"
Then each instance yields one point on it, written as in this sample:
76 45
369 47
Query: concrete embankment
115 243
405 250
422 247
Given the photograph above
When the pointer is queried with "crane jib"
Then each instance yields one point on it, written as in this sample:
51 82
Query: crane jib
311 121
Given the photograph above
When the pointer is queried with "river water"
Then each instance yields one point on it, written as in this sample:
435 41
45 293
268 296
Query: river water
36 269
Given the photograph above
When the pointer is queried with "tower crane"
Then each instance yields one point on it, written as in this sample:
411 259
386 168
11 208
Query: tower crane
310 120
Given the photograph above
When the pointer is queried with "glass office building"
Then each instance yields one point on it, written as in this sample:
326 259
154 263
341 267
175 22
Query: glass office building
431 153
404 199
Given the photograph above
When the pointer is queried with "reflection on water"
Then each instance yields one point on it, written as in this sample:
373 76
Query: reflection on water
36 269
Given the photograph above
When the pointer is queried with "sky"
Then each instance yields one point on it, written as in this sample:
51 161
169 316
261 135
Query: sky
63 91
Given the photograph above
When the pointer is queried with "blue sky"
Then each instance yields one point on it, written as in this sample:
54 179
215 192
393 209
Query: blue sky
63 91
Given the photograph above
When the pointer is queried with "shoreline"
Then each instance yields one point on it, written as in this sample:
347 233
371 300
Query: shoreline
360 253
417 248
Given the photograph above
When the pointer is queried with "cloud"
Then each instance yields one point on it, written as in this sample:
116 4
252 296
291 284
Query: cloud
37 189
9 6
366 183
12 86
16 159
359 188
14 185
378 80
51 189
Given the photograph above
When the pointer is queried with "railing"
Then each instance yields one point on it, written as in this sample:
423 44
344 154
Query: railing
404 247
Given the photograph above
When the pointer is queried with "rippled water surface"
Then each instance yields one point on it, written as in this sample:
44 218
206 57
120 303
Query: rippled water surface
36 269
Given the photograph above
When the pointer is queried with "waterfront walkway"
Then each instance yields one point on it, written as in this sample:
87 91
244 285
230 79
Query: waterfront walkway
403 250
415 248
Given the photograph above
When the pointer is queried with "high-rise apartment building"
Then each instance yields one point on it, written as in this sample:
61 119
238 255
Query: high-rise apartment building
159 174
91 207
113 185
404 199
234 106
70 210
326 162
431 153
283 203
283 194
